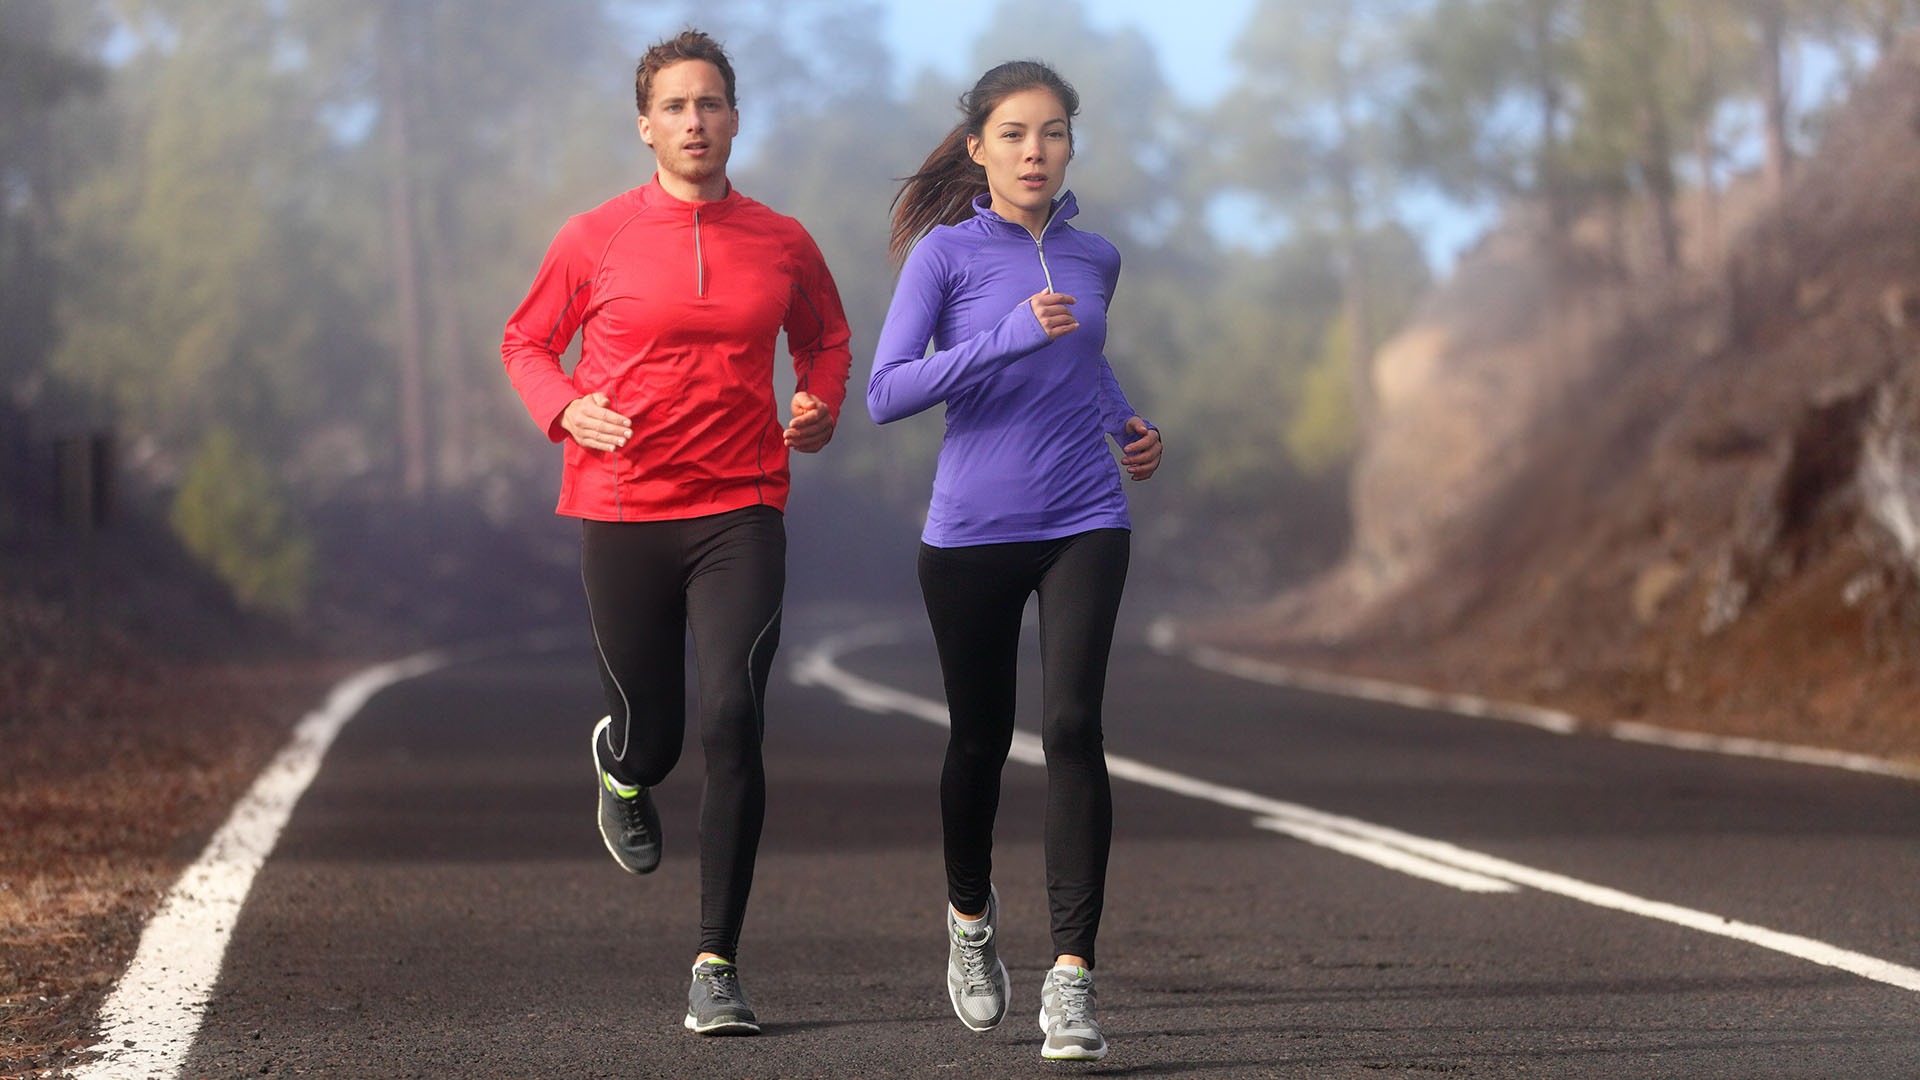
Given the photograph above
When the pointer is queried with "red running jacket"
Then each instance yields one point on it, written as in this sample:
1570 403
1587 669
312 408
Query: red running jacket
680 304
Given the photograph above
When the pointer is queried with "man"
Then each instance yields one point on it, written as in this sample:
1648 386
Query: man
677 465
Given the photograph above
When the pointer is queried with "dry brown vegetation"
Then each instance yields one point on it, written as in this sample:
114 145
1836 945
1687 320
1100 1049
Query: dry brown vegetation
1679 533
120 762
1675 496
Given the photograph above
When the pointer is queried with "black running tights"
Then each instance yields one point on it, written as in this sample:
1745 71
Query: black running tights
975 598
648 584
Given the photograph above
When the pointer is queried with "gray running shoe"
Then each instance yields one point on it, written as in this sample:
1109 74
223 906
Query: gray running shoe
1067 1003
976 979
629 822
715 1003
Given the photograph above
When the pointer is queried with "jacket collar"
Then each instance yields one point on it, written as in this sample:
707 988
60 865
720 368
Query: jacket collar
657 198
1064 207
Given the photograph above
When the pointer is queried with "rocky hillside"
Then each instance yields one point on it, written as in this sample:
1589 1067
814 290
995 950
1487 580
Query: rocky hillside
1687 496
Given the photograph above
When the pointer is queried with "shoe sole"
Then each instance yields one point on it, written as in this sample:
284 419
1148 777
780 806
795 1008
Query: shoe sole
722 1027
954 997
601 776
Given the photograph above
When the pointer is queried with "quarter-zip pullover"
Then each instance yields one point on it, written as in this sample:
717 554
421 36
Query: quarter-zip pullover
1025 454
679 306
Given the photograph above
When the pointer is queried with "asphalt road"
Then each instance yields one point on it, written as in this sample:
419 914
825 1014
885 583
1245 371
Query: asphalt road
440 903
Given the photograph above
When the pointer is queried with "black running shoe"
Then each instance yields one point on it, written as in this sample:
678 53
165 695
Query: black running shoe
715 1003
629 823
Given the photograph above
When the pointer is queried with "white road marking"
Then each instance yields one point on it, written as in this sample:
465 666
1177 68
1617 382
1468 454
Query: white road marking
1737 746
1161 636
1391 858
149 1021
1384 845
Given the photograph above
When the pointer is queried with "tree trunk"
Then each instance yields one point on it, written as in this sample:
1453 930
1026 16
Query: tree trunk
1656 148
1773 81
1549 182
415 464
1356 283
455 392
1705 95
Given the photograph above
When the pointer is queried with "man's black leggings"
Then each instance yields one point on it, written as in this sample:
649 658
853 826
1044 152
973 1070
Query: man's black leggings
649 583
975 597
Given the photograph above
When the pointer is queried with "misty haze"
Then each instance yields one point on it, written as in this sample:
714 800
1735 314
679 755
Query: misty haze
1539 383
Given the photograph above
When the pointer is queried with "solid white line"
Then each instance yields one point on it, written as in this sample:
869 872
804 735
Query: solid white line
1738 746
1353 686
1161 636
818 668
149 1021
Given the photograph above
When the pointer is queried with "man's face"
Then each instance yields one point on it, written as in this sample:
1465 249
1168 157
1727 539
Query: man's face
689 124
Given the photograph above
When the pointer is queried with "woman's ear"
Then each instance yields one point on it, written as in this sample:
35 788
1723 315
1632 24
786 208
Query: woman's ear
973 149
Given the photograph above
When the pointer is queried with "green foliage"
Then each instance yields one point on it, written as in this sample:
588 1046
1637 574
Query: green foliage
230 516
1485 116
1324 431
41 73
221 238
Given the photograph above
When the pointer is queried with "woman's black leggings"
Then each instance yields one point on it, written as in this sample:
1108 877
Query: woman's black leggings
648 583
975 597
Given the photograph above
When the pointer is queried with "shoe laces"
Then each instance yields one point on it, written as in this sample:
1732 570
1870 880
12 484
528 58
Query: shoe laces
633 821
1075 996
722 984
973 958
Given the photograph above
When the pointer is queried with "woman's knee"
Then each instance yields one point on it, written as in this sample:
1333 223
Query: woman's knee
1073 731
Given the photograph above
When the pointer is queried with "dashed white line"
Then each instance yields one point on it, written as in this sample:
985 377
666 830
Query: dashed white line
1433 860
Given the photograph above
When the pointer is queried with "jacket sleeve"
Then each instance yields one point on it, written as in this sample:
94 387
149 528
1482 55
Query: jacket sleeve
1115 411
817 335
905 379
540 331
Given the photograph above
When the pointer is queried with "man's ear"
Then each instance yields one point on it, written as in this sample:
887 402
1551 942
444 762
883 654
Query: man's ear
646 131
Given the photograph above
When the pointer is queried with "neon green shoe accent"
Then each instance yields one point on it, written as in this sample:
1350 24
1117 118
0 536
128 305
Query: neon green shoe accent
620 790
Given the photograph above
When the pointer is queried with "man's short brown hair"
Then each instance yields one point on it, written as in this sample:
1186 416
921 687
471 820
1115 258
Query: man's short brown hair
688 45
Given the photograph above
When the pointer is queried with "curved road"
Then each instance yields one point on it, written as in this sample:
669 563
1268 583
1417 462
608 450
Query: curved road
1302 885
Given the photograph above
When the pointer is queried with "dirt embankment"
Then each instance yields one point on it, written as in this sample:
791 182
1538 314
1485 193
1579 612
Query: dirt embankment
1685 496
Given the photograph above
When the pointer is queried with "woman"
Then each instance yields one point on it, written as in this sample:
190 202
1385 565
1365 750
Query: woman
1026 499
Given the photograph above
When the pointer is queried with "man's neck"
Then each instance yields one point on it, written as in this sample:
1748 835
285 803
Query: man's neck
711 190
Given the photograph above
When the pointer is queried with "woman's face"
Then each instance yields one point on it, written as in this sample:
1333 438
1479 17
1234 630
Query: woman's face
1024 147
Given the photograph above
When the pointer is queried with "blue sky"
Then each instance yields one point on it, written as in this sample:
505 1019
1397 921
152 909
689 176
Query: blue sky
1194 39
